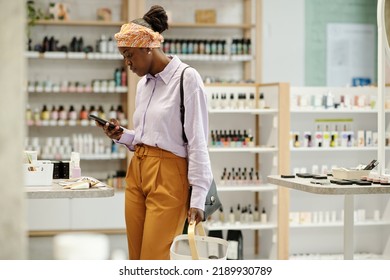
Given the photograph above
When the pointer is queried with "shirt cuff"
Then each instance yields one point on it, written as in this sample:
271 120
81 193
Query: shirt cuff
127 139
198 197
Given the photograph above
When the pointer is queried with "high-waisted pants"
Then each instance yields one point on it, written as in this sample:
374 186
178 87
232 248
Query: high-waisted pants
156 202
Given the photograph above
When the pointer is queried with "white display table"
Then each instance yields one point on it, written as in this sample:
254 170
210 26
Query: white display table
57 191
348 191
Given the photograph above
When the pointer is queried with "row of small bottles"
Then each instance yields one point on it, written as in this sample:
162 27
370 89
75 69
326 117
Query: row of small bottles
236 101
240 46
238 176
60 116
232 138
50 44
85 144
333 101
331 136
117 180
117 84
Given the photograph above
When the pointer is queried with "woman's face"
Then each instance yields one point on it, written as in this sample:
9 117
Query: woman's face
139 60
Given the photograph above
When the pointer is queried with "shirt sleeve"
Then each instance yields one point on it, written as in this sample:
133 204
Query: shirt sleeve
127 139
196 129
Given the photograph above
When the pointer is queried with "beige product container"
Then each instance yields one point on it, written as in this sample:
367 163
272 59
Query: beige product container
351 174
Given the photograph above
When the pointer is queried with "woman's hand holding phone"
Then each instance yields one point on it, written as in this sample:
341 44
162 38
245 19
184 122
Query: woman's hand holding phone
113 133
111 128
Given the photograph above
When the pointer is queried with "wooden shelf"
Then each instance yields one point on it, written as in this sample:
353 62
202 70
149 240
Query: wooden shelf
248 188
239 226
339 224
335 149
333 111
79 23
244 149
210 25
243 111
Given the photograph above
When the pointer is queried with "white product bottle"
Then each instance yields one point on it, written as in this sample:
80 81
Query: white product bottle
75 170
263 216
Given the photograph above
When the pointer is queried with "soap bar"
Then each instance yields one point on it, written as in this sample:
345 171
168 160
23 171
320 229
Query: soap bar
80 186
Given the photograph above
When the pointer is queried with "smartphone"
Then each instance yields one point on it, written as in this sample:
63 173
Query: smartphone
103 122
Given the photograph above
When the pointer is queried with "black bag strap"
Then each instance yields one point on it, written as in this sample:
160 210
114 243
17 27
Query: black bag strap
182 109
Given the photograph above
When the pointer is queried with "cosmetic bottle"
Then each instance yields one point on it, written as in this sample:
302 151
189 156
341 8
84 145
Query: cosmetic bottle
103 45
101 113
329 100
112 114
297 144
92 111
251 104
37 117
237 213
121 115
75 170
221 215
83 113
334 137
263 216
231 216
261 101
53 116
326 137
45 115
232 102
110 45
318 137
117 77
123 77
256 214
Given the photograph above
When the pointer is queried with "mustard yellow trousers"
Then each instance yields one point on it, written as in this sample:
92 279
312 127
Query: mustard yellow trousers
156 202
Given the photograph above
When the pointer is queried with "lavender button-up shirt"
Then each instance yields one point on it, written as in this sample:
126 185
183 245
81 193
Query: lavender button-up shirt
156 122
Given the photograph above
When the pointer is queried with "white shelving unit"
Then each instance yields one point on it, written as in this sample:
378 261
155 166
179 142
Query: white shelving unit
263 157
79 67
371 235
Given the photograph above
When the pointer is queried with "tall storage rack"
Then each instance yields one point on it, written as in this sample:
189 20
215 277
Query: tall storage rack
314 217
47 217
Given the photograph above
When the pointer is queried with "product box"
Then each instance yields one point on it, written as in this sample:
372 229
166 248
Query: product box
344 173
205 16
39 173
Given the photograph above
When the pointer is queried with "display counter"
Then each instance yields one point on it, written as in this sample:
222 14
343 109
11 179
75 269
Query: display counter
303 184
57 191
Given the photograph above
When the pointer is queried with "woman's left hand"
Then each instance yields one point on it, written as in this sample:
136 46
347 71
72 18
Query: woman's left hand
195 214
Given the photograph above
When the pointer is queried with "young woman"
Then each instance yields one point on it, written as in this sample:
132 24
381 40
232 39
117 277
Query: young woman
163 167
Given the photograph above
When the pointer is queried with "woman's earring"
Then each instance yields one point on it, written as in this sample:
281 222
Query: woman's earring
149 52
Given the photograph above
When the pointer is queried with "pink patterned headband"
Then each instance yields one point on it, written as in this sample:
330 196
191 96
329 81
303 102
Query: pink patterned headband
137 36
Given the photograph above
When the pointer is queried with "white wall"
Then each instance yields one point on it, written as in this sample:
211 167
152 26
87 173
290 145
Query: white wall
283 41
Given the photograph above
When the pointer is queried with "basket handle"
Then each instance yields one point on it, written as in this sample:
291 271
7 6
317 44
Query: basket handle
191 237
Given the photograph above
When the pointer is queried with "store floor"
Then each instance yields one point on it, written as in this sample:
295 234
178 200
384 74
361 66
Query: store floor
41 248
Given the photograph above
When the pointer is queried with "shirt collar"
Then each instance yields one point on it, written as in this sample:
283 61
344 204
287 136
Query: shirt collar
166 74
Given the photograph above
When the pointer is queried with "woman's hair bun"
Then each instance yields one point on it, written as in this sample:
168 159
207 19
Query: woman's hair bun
157 18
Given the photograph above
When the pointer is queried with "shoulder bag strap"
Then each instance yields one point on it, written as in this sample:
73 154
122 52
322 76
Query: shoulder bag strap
182 109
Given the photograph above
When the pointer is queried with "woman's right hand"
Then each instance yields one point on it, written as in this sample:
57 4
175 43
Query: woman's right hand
115 133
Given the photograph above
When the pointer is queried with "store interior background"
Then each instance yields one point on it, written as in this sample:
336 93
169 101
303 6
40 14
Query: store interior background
293 50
